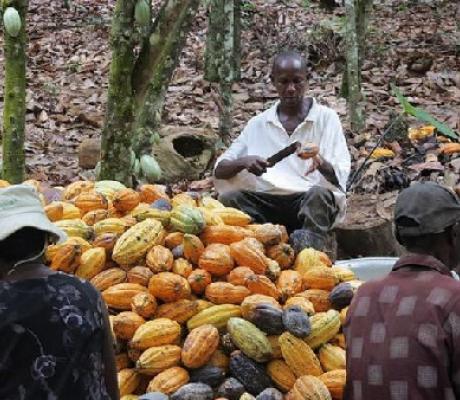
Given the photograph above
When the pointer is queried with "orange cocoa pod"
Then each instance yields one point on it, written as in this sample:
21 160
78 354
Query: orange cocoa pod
144 304
319 278
226 293
198 280
125 200
283 254
199 346
119 296
149 193
260 284
169 287
128 381
319 298
169 380
249 253
180 311
88 201
93 216
67 258
289 283
92 262
216 259
182 267
224 234
239 275
54 211
173 240
125 324
159 259
308 150
108 278
140 275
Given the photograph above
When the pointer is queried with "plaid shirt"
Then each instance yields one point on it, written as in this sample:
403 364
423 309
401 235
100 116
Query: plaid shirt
403 334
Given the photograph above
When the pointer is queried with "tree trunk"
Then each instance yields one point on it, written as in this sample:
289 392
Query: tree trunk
116 136
222 58
353 67
155 66
362 13
14 107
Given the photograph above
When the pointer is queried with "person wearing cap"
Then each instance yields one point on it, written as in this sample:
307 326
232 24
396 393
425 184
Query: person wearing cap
304 191
403 330
56 340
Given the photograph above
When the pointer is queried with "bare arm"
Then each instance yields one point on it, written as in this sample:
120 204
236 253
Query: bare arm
108 357
327 170
228 169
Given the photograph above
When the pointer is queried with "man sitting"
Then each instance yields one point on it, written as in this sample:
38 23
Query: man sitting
403 330
306 194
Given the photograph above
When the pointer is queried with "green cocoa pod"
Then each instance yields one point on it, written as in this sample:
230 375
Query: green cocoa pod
12 21
142 12
150 168
249 339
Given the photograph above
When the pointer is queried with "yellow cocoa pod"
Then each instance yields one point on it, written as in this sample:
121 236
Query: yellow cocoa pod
128 381
169 380
156 359
92 262
136 241
111 225
249 339
158 332
309 387
324 326
299 356
332 357
216 315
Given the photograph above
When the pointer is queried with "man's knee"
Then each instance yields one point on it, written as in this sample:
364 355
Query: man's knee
318 191
230 199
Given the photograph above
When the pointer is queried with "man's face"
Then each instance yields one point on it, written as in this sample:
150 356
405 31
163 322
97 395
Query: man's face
288 77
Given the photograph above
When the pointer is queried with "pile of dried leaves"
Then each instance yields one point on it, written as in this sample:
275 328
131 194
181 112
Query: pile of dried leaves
411 44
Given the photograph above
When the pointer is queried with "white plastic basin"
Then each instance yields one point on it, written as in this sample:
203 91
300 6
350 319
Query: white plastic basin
367 268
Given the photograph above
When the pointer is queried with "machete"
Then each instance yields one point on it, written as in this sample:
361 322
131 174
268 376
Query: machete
282 154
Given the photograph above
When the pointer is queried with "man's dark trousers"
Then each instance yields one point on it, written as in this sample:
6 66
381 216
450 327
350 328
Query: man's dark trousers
314 210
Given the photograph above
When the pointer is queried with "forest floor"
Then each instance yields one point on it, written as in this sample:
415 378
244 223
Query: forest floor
69 59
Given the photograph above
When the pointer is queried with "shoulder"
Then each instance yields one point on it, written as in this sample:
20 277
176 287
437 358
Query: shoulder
326 113
263 117
70 283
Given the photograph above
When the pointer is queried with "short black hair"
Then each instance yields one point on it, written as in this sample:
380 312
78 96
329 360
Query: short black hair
288 54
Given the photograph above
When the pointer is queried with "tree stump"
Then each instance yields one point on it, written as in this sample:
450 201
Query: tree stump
89 153
184 152
368 229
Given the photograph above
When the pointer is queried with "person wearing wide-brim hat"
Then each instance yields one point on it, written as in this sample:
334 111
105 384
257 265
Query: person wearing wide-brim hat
56 341
403 330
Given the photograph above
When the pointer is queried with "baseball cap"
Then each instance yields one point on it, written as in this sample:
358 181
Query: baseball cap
426 208
20 207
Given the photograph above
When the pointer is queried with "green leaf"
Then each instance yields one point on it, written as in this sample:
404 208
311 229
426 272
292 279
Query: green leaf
423 115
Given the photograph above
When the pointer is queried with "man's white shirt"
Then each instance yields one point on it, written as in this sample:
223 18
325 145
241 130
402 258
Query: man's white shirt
264 135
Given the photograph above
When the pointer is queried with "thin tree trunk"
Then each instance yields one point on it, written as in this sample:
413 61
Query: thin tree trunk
353 65
155 66
14 107
214 40
116 136
362 15
222 58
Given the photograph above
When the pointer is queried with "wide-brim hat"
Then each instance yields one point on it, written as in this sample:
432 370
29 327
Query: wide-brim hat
20 207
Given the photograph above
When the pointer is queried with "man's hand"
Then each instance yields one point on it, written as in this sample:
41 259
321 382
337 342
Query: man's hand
228 169
325 168
254 164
